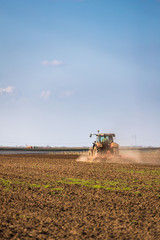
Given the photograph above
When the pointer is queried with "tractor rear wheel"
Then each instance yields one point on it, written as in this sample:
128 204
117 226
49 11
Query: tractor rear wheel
90 153
95 152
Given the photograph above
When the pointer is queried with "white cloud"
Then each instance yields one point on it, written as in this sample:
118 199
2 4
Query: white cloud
45 94
8 89
67 93
52 63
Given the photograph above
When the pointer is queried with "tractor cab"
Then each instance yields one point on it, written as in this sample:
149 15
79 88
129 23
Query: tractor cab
101 138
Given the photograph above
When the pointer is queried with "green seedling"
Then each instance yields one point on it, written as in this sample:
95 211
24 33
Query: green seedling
57 189
110 189
35 185
6 184
46 186
117 185
126 189
98 186
145 171
138 193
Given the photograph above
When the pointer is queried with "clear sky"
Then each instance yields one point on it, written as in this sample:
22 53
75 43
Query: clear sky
71 67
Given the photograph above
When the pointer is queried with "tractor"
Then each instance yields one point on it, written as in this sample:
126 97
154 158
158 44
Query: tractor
104 146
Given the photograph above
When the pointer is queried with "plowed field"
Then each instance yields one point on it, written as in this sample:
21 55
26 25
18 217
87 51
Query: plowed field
53 196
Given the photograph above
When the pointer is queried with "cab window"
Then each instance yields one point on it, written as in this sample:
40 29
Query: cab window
103 138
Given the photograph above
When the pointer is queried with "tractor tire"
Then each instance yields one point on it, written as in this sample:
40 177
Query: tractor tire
90 153
95 152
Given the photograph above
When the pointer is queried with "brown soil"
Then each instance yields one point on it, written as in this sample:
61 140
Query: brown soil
54 196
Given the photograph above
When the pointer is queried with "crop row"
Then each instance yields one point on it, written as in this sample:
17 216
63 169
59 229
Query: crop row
133 186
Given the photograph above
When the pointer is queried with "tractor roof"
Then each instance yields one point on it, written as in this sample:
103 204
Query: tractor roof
102 134
105 134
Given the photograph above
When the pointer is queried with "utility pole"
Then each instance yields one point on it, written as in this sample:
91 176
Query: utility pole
134 137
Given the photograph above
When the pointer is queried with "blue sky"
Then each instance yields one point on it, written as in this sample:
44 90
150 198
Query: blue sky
71 67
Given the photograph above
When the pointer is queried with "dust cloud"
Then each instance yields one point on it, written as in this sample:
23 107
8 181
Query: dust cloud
126 157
